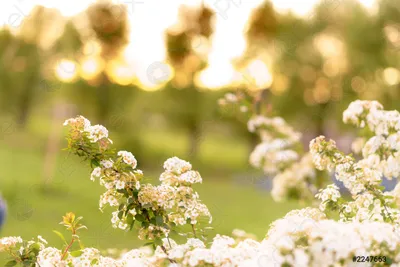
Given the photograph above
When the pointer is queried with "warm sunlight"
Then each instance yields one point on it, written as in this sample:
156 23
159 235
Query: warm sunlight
149 20
91 67
66 70
258 75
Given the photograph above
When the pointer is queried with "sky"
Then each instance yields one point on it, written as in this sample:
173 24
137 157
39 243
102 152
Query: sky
150 18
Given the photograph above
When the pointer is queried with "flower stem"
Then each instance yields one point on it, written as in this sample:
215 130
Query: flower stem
166 252
68 247
194 231
16 258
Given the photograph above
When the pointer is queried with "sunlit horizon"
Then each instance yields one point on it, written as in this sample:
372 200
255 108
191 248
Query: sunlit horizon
149 20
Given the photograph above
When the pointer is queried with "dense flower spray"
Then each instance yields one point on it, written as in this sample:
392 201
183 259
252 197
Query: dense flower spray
337 232
156 209
280 153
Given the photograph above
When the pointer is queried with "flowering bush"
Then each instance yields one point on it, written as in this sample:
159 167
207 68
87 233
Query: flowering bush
280 153
157 210
336 232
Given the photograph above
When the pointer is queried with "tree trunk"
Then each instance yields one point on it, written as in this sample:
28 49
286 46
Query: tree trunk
194 140
25 104
195 120
320 123
104 99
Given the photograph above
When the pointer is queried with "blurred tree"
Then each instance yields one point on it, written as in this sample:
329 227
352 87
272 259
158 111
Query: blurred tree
93 41
70 43
109 23
22 57
261 31
319 61
7 93
187 45
260 34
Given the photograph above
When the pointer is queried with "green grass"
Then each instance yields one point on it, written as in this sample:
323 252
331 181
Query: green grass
35 209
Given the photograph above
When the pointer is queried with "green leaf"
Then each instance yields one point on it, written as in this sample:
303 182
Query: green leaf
123 191
120 214
81 227
81 244
94 162
61 236
159 220
129 219
131 226
35 248
76 253
158 242
130 206
11 263
139 217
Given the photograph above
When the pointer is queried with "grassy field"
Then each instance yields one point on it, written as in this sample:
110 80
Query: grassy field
35 209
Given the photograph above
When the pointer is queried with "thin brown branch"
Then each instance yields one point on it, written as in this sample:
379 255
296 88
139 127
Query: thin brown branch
68 247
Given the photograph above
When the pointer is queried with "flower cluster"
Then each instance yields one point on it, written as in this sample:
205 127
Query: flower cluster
179 172
279 154
82 126
10 242
363 177
22 251
231 100
321 151
382 150
272 156
154 208
302 238
306 241
269 127
275 152
358 113
328 196
228 98
368 223
296 181
362 181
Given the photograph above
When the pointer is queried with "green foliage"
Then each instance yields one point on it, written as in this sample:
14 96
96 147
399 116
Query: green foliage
309 79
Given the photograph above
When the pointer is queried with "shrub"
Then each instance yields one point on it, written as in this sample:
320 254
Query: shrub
366 229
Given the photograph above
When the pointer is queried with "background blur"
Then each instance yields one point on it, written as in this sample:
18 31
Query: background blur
152 71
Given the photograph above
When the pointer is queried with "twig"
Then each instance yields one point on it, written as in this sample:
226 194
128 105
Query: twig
259 99
166 252
69 246
169 242
194 231
17 259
